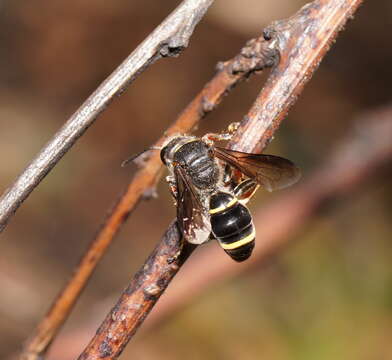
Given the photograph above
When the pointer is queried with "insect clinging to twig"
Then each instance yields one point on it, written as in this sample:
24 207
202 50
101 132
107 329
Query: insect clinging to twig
211 186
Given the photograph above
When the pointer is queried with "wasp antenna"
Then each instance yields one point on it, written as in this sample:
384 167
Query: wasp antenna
135 156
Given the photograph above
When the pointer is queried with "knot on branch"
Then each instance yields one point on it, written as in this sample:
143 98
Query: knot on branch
150 193
295 27
256 55
170 50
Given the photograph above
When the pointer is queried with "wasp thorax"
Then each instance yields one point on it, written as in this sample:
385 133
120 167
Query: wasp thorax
195 157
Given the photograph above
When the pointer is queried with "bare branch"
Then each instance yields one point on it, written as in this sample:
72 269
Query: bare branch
255 56
168 39
303 40
156 274
327 17
355 160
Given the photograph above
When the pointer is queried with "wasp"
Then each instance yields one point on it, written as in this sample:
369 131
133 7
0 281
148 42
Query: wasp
211 186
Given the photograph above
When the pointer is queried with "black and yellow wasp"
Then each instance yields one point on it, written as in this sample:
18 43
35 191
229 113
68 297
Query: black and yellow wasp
211 186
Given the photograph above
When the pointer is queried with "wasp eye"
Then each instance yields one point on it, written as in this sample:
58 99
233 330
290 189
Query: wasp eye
163 155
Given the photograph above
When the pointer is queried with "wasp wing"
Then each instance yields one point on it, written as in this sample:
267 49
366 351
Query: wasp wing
191 215
271 172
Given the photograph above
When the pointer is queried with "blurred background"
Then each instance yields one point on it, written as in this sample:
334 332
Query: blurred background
328 295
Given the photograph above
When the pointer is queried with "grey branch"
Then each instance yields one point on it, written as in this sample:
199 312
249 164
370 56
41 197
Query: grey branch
168 39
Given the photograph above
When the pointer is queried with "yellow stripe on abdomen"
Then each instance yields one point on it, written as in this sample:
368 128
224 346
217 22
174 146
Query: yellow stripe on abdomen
235 245
224 207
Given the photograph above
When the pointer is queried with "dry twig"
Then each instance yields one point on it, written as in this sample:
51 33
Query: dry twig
354 161
168 39
255 56
303 40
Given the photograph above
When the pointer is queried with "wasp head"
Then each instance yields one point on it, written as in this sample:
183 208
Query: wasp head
171 146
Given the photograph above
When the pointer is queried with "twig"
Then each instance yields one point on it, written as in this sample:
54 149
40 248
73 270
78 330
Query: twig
255 56
355 160
303 41
168 39
307 37
156 274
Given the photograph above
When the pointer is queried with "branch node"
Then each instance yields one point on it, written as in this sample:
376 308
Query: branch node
220 65
168 50
152 291
206 105
150 193
105 349
284 30
256 55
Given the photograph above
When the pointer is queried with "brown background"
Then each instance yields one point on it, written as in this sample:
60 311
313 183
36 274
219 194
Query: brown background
328 296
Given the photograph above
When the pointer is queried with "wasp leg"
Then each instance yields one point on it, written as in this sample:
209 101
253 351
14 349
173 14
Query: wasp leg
172 186
232 177
211 137
232 128
173 190
245 190
227 175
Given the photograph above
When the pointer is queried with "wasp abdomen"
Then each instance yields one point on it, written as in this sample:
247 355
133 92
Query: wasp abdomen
231 224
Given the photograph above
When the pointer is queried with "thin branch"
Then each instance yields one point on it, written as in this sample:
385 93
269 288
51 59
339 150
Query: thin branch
306 36
255 56
168 39
358 158
303 41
